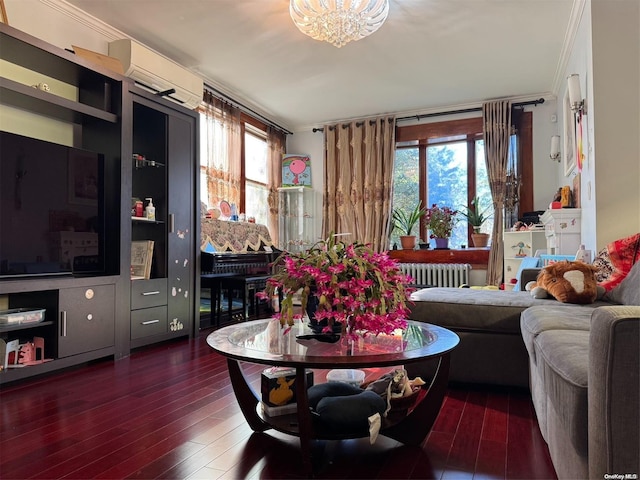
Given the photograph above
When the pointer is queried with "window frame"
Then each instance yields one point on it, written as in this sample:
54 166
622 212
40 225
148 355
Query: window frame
472 130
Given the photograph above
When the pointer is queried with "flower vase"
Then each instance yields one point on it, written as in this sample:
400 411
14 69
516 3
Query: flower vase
442 243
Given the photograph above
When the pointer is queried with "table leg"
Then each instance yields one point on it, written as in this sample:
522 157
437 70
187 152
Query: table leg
414 428
305 422
246 396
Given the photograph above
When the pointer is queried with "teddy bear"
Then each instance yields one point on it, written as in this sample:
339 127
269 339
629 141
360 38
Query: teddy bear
567 282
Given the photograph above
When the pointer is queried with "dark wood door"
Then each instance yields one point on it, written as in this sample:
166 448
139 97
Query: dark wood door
87 319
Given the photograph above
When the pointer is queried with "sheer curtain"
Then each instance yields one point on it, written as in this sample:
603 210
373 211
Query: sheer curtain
221 148
275 151
497 132
358 180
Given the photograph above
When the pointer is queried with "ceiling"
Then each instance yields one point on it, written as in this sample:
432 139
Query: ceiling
429 55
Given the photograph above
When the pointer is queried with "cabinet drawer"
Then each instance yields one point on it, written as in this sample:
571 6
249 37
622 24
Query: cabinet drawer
148 321
148 293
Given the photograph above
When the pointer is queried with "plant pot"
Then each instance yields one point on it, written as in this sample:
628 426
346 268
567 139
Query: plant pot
442 243
408 242
480 239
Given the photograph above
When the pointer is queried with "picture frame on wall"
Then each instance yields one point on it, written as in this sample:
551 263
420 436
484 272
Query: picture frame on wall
569 127
3 13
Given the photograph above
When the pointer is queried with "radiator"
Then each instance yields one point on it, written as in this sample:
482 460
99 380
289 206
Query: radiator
437 274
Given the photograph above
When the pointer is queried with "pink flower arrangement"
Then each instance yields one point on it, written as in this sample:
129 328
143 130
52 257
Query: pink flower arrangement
440 221
353 284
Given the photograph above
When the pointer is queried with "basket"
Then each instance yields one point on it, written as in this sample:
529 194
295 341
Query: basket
550 259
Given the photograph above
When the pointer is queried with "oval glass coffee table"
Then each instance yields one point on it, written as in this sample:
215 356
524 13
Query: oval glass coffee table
263 342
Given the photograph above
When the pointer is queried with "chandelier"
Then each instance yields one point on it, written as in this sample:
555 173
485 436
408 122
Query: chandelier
338 21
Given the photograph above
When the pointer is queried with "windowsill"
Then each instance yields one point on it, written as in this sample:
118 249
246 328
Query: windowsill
477 257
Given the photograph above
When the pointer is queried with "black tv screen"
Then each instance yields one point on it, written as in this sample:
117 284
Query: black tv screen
51 208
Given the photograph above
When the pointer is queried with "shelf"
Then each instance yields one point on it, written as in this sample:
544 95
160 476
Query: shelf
45 103
146 220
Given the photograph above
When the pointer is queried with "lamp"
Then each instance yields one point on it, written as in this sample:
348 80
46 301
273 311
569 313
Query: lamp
338 21
575 97
555 148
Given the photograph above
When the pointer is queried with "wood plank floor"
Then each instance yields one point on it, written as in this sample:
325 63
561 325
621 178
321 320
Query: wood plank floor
168 411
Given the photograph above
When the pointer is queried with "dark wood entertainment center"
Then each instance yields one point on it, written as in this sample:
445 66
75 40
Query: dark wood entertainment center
107 315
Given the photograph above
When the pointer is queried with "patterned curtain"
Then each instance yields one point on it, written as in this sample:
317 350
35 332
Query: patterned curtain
358 169
222 150
275 151
497 130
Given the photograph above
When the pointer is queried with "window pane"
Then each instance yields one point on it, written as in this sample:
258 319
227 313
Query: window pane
447 184
406 193
255 154
256 202
482 188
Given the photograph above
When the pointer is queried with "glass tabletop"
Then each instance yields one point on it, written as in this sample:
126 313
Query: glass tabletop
265 341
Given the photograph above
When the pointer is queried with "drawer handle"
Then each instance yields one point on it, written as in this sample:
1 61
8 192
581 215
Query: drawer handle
63 323
149 322
155 292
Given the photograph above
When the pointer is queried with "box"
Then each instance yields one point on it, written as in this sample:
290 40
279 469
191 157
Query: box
19 316
278 386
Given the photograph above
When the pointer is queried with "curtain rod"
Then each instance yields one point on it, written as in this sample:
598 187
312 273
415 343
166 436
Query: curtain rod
246 109
453 112
466 110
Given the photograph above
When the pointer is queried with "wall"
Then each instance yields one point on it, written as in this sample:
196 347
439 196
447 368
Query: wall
610 83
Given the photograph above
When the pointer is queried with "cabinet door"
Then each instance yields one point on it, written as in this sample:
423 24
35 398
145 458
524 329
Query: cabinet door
181 240
87 319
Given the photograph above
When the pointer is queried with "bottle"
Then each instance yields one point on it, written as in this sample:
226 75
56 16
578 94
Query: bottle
150 211
583 255
275 301
138 208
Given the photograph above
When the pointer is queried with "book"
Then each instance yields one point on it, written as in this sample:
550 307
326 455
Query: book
141 256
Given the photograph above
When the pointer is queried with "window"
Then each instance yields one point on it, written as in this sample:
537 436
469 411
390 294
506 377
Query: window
255 168
237 173
444 163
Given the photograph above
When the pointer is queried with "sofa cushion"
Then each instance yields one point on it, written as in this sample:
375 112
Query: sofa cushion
464 309
557 316
564 355
628 291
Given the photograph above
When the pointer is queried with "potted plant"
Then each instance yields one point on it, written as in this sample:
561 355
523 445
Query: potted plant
351 283
476 218
440 222
405 222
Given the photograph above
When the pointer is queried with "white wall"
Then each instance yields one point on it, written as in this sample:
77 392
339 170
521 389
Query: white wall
606 55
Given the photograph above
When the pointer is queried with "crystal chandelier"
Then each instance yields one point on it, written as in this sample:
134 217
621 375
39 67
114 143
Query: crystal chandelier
338 21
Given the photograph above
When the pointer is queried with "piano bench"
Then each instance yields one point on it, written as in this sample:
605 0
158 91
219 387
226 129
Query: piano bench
248 284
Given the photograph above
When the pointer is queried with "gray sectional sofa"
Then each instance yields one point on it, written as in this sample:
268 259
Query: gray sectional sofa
580 362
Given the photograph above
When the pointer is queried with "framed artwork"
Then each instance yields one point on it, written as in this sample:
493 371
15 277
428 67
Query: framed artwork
3 13
569 126
83 179
296 170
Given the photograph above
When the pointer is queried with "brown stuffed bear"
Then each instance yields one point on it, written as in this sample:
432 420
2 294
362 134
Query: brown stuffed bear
567 282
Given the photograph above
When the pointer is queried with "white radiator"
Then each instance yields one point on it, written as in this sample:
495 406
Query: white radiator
437 274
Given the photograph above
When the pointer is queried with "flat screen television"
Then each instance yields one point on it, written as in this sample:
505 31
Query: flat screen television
51 209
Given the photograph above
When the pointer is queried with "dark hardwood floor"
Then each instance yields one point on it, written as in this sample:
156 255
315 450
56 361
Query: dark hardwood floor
168 411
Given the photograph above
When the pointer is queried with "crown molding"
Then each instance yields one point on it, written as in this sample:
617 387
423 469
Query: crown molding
83 18
577 10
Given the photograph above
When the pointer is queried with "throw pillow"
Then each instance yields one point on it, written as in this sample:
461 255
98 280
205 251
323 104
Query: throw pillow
623 254
628 291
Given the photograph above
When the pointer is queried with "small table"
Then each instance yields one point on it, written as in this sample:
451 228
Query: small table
263 342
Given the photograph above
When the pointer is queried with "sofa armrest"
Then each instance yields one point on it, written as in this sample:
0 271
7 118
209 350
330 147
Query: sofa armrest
614 391
528 275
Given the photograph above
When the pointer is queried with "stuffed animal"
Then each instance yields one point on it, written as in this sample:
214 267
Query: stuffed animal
567 282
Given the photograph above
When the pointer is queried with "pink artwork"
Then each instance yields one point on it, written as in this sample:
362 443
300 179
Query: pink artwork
296 170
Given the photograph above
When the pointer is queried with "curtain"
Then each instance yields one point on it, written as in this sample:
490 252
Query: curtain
496 130
275 151
221 149
358 169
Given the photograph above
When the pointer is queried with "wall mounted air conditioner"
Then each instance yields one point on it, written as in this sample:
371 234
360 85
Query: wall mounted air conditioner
157 73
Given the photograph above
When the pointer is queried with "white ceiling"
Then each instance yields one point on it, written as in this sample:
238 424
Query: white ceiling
429 55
